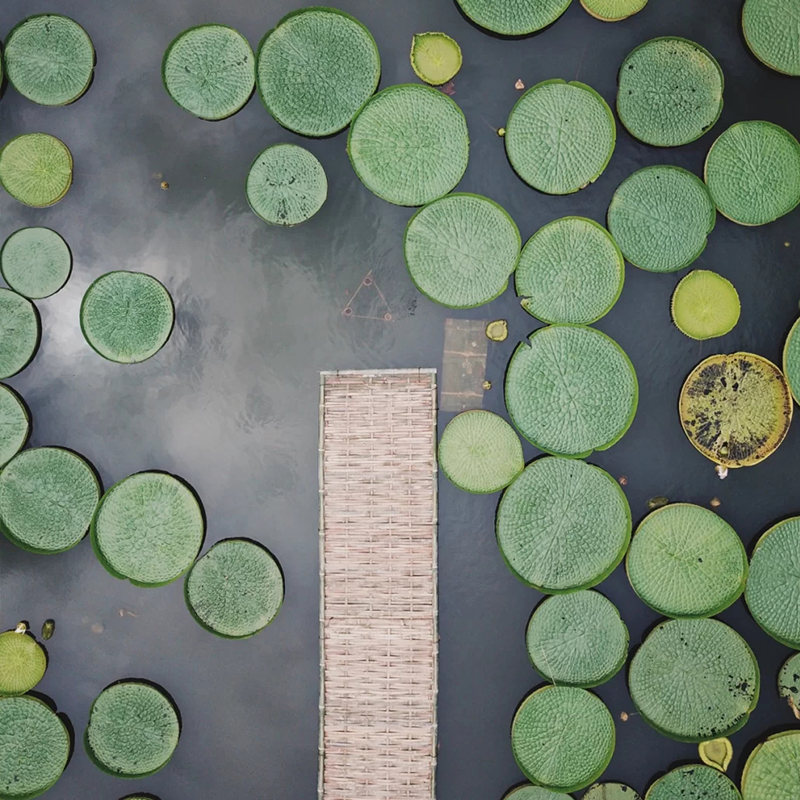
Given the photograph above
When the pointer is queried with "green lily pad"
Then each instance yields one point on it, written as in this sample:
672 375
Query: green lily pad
20 331
563 525
127 317
560 136
670 91
316 68
148 528
791 360
530 792
736 409
236 589
15 424
694 782
770 592
133 730
514 17
610 791
772 771
23 663
577 639
685 561
705 305
435 57
286 185
717 753
480 452
47 498
753 172
409 144
461 249
36 169
571 390
210 71
562 738
613 11
571 270
35 262
36 747
772 31
49 59
789 683
661 217
694 679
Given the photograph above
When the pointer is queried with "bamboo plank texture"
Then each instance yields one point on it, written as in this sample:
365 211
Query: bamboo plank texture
378 585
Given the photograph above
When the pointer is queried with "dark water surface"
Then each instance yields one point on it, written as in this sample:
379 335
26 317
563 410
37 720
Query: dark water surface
231 403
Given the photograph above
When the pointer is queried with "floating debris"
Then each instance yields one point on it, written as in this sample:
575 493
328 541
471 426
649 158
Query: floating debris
715 502
22 627
722 472
501 131
497 331
449 88
657 502
519 84
716 753
624 716
164 185
48 628
487 385
98 627
623 481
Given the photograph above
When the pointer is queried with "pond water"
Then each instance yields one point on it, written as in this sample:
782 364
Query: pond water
231 404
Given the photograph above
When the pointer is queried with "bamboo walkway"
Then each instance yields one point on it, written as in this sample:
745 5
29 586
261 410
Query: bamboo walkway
378 582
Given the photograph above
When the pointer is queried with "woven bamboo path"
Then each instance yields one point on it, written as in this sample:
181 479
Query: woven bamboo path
378 579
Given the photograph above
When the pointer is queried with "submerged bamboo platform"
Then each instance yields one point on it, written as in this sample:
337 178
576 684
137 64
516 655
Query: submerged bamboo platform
378 585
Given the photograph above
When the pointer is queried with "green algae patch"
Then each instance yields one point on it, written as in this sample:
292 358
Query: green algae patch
148 528
514 17
23 663
133 730
563 525
770 592
571 390
127 317
15 424
560 136
48 496
753 172
20 332
35 262
611 791
316 69
435 57
286 185
716 753
705 305
670 91
613 11
772 771
791 360
530 792
789 683
736 409
36 747
661 217
209 71
577 639
562 738
694 782
685 561
49 59
570 270
461 249
36 169
772 31
480 452
694 680
235 590
409 144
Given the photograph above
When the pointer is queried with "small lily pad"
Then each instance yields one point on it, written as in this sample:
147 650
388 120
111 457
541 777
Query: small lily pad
772 30
497 330
717 753
610 791
35 262
772 771
20 331
15 424
435 57
694 782
531 792
705 305
791 360
22 663
789 683
36 169
514 17
613 11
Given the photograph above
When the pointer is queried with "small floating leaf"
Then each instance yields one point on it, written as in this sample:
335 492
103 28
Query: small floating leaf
657 502
497 330
435 57
36 262
789 683
36 169
22 662
48 628
705 305
716 753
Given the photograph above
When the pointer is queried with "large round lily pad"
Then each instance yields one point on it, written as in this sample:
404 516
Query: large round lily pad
736 409
772 771
480 452
613 11
461 249
577 639
694 782
563 525
409 144
531 792
22 663
772 31
148 528
514 17
661 217
791 360
571 270
753 172
611 791
36 169
685 561
316 68
771 592
571 390
133 730
670 91
562 738
15 424
20 331
705 305
694 679
560 136
36 262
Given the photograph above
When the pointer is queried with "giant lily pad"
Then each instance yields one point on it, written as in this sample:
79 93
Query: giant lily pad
772 31
772 771
514 17
694 782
